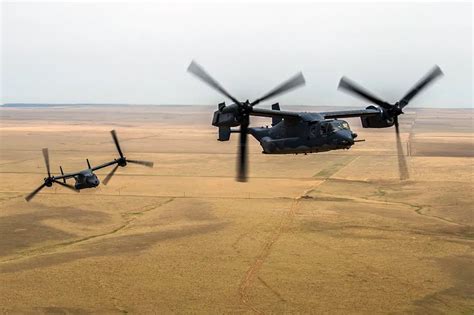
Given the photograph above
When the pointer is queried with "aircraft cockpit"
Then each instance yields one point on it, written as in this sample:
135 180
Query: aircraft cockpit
328 127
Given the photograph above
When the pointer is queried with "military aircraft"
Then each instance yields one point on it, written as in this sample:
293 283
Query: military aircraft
305 132
85 178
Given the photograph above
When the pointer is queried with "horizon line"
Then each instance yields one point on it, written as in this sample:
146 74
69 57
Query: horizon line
30 104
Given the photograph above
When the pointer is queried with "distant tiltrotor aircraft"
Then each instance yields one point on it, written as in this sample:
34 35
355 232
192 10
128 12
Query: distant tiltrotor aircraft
85 178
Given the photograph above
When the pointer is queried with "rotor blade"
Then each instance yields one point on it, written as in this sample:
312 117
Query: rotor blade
199 72
46 161
434 73
402 163
114 136
243 154
34 192
352 87
145 163
66 185
109 176
290 84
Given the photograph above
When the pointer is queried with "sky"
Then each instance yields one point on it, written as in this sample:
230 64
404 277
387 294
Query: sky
137 53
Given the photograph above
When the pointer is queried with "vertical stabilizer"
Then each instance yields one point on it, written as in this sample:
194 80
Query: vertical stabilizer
276 120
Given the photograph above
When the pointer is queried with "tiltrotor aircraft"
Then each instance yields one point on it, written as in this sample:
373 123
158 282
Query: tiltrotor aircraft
305 132
85 178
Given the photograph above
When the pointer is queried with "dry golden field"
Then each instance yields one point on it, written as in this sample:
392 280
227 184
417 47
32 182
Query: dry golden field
336 232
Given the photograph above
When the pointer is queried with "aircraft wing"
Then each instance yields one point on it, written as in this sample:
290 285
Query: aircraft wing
274 113
66 176
328 115
98 167
350 113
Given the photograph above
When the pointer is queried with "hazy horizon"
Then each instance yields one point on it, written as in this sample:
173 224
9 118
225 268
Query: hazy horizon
130 53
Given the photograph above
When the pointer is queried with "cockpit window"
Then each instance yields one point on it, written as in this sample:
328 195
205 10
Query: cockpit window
337 125
333 126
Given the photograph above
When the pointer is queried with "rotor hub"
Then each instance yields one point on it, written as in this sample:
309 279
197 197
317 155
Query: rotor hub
48 181
122 161
396 109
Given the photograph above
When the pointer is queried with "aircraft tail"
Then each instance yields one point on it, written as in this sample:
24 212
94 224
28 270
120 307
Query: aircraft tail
276 120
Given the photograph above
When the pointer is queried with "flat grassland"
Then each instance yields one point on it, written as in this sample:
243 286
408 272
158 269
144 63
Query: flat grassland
336 232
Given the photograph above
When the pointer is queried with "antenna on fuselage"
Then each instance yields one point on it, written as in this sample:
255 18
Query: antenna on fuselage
88 164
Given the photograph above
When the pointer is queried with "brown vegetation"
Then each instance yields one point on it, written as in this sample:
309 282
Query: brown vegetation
336 232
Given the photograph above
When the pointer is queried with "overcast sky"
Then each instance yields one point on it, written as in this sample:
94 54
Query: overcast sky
138 53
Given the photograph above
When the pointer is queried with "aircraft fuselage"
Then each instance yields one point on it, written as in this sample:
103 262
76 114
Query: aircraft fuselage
293 137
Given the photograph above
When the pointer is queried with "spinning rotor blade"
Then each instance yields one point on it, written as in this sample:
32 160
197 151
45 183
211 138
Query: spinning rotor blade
66 185
114 136
144 163
352 87
402 163
434 73
46 161
199 72
34 192
243 154
109 176
292 83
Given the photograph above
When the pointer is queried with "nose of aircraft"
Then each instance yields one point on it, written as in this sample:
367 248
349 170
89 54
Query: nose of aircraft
345 137
94 181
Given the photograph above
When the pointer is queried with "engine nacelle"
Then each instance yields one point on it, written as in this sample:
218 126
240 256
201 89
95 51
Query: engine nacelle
383 120
226 116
